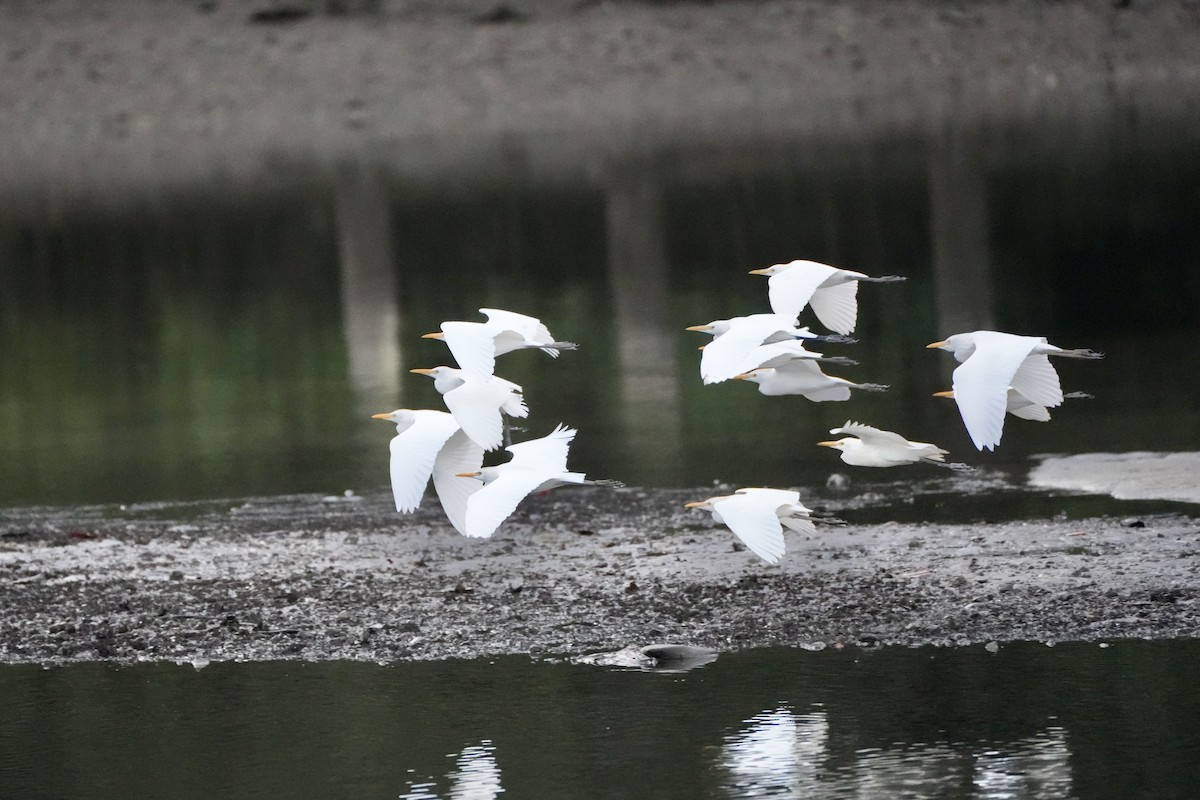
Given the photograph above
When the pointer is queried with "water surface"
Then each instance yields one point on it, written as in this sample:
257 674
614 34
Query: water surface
1074 720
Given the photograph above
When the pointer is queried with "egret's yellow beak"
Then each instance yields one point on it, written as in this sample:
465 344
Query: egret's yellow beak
699 328
745 376
949 393
382 416
763 271
467 474
437 335
423 371
935 344
697 504
828 444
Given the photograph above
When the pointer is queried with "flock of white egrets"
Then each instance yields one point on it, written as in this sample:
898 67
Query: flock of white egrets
999 374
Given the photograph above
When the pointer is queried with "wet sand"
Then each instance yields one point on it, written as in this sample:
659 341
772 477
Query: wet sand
573 572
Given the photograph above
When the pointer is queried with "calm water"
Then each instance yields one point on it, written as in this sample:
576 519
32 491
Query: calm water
231 340
1075 720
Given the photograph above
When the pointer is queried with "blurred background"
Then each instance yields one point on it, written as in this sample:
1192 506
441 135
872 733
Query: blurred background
224 227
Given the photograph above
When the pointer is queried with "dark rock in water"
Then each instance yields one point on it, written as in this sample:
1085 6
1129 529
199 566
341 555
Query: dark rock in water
679 657
1133 522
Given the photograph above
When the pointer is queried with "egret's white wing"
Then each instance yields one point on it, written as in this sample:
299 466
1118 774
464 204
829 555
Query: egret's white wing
774 354
780 497
476 408
1037 380
1021 406
473 346
508 385
413 456
981 386
799 524
791 290
490 506
459 454
725 355
547 454
529 327
872 434
755 523
836 306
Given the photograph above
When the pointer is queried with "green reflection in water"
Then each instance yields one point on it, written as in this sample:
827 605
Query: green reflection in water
196 347
1076 720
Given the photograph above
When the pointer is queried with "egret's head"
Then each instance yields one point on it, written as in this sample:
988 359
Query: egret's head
402 417
774 269
948 393
476 474
701 328
699 504
754 375
836 444
936 345
432 372
434 335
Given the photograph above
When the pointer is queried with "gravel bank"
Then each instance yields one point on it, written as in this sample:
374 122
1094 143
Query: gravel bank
574 572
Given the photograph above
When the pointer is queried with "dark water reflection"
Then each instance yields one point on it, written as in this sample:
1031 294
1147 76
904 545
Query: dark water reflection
1076 720
232 340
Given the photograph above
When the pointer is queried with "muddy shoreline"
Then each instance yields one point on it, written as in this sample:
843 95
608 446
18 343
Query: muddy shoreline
573 573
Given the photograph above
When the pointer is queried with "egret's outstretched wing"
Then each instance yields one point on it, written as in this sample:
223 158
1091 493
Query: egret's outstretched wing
724 356
459 454
490 506
755 523
530 327
413 455
799 524
792 289
837 306
1037 380
546 455
476 408
871 434
981 386
1021 406
472 345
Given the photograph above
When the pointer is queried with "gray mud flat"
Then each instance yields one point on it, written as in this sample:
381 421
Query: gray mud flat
572 573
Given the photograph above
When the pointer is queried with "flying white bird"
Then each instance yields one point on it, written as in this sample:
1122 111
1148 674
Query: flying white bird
804 377
536 465
430 443
993 364
758 516
738 344
832 292
475 345
477 403
880 448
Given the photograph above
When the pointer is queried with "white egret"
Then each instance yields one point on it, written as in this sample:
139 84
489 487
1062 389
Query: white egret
832 292
477 403
758 516
994 363
536 465
475 345
804 377
736 343
430 443
879 448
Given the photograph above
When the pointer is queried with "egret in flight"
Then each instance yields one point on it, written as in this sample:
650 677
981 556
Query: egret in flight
475 345
478 403
738 344
832 292
804 377
758 517
536 465
879 448
430 443
994 365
